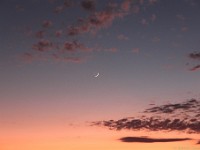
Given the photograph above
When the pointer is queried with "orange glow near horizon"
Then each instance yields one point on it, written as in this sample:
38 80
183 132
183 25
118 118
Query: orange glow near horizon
85 138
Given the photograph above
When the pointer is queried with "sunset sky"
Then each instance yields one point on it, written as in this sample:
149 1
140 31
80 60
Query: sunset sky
147 93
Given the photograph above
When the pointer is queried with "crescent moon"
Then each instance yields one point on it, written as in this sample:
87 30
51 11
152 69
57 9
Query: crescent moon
96 75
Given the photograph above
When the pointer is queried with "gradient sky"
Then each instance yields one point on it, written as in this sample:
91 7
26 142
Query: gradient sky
145 51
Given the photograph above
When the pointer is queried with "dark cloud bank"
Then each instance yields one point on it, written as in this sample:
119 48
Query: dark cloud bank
183 117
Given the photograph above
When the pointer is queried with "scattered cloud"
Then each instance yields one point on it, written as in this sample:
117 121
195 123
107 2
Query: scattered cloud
182 117
151 140
43 45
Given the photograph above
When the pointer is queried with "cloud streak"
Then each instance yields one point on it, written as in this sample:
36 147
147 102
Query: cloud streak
151 140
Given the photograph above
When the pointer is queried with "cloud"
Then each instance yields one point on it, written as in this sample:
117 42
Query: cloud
195 68
47 23
198 142
88 5
182 117
74 46
195 56
126 4
43 45
151 140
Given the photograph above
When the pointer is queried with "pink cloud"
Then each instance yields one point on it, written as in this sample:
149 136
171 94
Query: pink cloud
195 68
58 33
43 45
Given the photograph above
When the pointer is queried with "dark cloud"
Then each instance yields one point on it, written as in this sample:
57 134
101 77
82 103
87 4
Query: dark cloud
194 56
183 117
198 142
171 108
88 5
151 140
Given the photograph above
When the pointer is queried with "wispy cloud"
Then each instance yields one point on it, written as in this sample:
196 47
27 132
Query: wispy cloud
151 140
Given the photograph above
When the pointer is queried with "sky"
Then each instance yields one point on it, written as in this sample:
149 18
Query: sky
99 74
